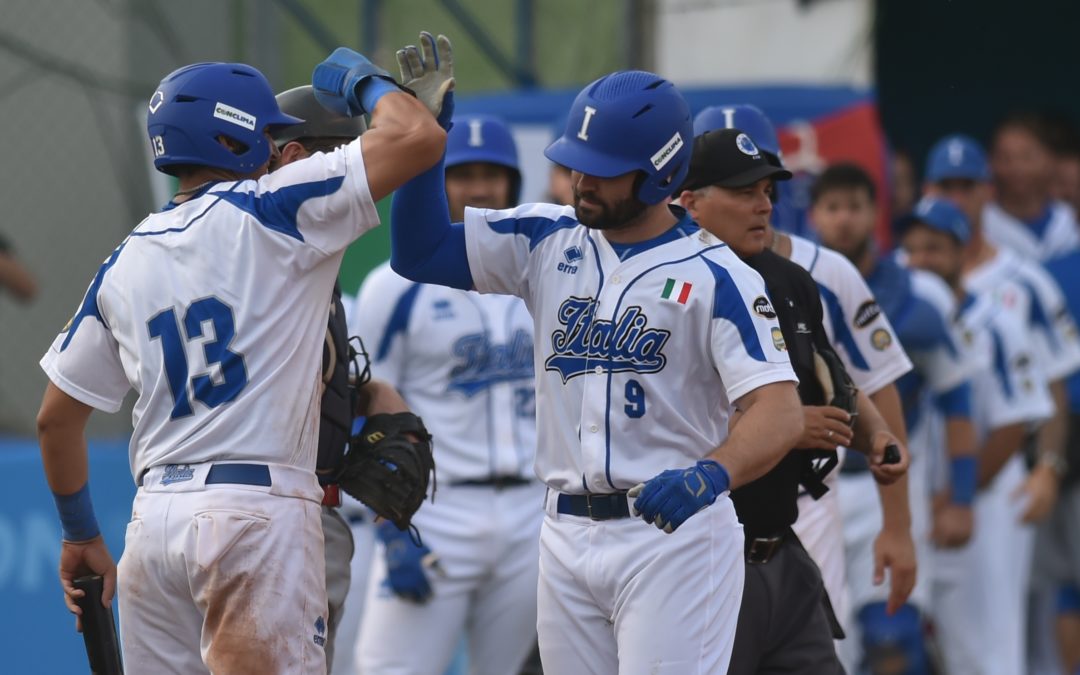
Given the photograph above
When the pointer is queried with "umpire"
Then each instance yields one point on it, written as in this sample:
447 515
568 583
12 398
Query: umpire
786 623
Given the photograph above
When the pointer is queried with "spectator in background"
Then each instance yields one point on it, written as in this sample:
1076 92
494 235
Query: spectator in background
560 189
1025 217
13 274
1066 150
905 184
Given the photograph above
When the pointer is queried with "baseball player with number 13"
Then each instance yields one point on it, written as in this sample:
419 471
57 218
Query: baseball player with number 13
214 311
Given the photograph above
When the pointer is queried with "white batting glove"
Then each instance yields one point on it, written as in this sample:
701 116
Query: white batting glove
429 73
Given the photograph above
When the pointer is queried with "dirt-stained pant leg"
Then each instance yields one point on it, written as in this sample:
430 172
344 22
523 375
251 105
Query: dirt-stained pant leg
258 575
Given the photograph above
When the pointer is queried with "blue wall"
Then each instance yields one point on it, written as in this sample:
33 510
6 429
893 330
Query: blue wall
38 632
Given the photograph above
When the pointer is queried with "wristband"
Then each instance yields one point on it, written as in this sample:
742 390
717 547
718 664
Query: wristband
77 515
371 89
963 479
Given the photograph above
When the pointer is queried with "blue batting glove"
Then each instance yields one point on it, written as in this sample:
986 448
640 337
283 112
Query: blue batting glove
405 563
672 496
347 83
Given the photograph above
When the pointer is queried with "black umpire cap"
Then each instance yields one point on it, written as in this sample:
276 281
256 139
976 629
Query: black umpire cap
318 121
728 158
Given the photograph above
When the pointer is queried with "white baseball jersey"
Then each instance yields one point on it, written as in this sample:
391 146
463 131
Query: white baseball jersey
637 360
1009 386
214 312
1038 300
463 362
1054 234
855 324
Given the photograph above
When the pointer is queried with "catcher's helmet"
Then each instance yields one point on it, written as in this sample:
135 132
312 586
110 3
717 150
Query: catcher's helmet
195 104
318 122
629 121
484 138
748 118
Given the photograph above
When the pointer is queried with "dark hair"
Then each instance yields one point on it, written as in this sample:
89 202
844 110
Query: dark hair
843 176
1035 124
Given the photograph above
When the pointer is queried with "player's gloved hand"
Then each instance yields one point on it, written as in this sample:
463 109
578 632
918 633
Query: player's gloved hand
429 73
671 497
883 472
347 83
406 563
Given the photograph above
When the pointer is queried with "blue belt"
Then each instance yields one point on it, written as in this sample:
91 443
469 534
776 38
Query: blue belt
239 474
596 506
236 474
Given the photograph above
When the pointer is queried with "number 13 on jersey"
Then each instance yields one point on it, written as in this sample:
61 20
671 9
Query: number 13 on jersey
165 327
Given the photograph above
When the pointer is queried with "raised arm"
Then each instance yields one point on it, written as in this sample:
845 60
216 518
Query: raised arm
404 138
424 245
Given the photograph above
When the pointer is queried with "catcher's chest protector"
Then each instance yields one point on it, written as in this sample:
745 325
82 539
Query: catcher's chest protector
338 399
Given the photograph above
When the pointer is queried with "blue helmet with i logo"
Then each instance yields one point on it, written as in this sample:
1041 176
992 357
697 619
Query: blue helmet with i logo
629 121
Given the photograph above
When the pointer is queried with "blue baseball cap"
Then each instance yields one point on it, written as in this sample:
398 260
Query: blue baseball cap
938 214
750 118
957 156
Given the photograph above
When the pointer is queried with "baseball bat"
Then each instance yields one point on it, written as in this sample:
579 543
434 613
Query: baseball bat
98 628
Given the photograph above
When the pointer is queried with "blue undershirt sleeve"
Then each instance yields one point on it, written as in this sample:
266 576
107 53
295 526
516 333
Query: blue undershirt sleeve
424 245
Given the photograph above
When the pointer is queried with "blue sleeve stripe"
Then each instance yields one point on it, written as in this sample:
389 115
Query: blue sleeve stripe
840 328
277 210
1001 364
955 402
1039 316
536 228
399 321
728 304
89 306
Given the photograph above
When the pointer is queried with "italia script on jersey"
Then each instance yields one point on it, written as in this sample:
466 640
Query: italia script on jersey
588 343
482 364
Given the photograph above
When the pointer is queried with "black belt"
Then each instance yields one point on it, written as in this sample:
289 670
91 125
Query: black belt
497 482
237 474
595 506
760 550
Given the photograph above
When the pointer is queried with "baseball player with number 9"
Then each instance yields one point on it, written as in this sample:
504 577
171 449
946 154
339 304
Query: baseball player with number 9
214 311
646 342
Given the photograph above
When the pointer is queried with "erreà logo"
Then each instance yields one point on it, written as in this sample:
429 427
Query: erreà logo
587 343
234 116
664 154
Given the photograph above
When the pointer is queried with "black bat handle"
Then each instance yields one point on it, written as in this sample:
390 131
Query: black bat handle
99 629
892 454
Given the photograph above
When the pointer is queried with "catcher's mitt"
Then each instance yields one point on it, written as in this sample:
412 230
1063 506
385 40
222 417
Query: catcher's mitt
387 470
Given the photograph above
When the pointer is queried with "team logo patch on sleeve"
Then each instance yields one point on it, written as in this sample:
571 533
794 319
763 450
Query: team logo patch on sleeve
866 313
881 339
763 307
682 294
778 340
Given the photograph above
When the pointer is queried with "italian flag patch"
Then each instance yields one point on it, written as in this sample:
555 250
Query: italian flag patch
678 291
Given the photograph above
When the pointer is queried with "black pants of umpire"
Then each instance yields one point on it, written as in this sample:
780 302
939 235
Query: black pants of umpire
783 623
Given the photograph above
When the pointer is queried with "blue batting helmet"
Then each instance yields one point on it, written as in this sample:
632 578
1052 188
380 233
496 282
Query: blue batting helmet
749 118
957 156
484 138
195 104
629 121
